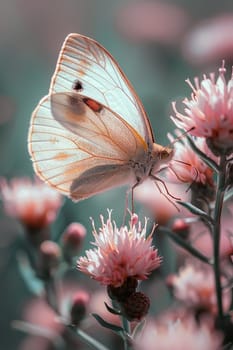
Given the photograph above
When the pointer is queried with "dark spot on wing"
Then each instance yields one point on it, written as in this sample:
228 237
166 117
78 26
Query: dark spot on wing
77 86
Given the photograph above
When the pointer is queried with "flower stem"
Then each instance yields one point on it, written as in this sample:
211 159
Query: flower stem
93 343
221 180
185 245
126 326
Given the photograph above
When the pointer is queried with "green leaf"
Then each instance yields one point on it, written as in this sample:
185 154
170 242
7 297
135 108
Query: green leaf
210 162
36 330
34 284
184 244
228 195
138 328
112 310
195 210
108 325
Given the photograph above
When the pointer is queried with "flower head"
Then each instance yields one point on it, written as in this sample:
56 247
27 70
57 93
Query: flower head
179 336
210 112
33 203
120 253
187 167
195 286
198 45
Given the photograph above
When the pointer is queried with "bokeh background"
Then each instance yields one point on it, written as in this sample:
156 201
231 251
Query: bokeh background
158 44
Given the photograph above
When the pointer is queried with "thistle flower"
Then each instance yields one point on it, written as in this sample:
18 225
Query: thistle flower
120 253
195 287
33 203
198 46
179 336
187 167
210 112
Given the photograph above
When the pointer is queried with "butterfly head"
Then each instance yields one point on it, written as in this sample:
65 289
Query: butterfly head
163 154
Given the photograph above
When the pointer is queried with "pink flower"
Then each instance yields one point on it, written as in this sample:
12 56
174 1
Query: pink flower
195 286
180 335
152 21
187 167
199 46
210 112
120 253
33 203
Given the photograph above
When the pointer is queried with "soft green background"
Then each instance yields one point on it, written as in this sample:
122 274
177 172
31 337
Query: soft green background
31 34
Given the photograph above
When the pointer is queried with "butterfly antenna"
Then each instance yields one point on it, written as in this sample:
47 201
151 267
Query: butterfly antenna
180 136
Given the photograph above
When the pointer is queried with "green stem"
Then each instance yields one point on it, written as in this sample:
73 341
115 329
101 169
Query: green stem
185 245
217 232
210 162
126 326
93 343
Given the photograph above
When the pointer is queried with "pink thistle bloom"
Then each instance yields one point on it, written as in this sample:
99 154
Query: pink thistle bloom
200 48
179 335
33 203
187 167
210 112
120 253
149 21
195 286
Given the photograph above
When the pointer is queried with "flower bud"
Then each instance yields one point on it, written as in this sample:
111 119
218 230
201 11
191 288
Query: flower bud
72 240
79 307
50 255
181 227
136 306
124 291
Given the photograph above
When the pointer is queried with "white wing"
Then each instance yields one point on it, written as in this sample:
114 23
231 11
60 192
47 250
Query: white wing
87 67
79 150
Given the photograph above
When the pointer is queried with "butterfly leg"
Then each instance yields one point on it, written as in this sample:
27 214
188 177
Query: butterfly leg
167 194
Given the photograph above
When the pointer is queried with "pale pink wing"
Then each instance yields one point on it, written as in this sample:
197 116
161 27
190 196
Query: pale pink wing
79 150
88 68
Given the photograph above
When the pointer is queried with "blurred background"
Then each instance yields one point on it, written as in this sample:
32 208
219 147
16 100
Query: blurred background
158 44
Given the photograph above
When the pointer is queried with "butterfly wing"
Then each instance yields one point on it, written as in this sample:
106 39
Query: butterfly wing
79 149
88 68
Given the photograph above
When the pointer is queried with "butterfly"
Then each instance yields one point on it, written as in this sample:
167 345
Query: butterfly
91 132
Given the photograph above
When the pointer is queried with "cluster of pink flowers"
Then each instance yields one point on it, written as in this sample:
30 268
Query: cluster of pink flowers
123 256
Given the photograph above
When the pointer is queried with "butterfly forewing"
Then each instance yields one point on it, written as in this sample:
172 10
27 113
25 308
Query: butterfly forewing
88 68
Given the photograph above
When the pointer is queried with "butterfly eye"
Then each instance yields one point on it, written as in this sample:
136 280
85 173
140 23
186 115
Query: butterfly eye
166 153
